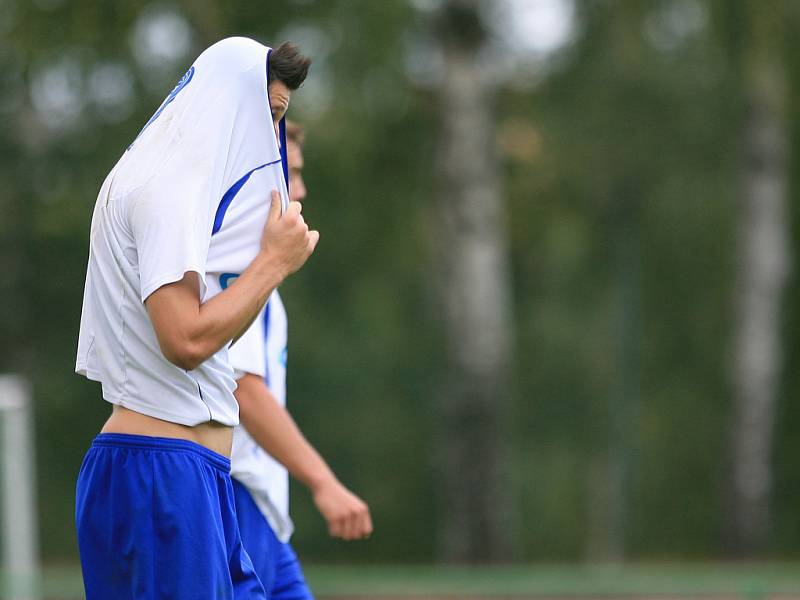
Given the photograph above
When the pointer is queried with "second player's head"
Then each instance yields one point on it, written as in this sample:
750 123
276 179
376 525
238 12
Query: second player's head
295 136
288 69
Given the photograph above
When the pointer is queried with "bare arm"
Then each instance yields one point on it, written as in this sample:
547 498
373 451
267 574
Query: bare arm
273 428
190 332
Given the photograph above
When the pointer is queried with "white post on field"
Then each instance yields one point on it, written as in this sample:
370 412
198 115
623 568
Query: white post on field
19 525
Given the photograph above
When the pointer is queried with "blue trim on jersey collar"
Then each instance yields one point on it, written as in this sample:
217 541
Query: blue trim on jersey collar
228 197
284 158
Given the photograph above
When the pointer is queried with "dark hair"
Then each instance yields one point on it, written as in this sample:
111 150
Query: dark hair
295 133
287 64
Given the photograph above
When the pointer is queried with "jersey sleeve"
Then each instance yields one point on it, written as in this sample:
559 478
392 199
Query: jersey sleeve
248 354
171 221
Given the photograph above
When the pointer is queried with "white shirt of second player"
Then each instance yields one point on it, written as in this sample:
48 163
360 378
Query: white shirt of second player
262 351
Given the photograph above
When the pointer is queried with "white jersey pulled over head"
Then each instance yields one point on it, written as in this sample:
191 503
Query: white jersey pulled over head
191 194
262 351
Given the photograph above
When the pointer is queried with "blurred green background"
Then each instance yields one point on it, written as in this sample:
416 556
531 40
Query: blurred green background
638 145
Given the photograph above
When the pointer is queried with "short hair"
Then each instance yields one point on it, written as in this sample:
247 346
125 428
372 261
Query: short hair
289 65
295 133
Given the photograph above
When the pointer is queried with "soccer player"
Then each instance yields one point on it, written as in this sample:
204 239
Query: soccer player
196 201
268 442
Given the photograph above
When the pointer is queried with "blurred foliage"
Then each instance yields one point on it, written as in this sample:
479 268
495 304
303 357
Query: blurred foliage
622 151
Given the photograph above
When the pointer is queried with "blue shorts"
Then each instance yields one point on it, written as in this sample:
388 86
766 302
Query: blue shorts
275 561
156 519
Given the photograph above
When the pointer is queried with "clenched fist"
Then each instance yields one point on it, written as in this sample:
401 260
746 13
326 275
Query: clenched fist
286 237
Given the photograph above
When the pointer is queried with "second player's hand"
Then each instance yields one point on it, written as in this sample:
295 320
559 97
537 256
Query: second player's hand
286 237
347 515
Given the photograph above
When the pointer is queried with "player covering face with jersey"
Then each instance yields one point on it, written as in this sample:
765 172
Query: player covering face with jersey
199 198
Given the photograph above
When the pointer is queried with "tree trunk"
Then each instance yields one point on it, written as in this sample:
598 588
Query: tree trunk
474 287
763 268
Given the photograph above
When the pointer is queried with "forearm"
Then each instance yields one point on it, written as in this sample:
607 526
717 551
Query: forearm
273 428
189 332
228 314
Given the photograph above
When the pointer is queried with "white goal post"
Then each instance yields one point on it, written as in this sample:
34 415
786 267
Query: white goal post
19 523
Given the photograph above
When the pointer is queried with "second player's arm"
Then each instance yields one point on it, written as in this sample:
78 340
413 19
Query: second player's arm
273 428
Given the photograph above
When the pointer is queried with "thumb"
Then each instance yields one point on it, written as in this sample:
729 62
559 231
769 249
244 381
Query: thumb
275 206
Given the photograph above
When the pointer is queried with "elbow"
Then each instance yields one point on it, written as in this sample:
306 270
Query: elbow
185 355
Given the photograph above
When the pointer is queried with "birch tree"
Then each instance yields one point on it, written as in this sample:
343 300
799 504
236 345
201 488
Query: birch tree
474 288
763 268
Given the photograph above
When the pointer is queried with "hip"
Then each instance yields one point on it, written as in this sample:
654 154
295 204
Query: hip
212 435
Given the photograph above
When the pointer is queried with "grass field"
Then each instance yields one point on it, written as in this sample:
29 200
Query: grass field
672 581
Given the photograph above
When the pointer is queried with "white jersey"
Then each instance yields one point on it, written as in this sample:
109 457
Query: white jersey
262 351
191 194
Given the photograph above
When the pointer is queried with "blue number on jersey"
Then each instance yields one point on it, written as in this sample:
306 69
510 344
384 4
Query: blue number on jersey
175 91
226 278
